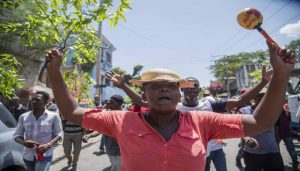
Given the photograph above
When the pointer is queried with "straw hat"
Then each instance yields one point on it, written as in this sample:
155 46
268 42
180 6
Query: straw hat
158 75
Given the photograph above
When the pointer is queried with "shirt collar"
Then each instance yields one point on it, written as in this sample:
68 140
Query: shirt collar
185 127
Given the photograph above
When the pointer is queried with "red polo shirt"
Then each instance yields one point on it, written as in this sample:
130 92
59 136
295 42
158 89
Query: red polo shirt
144 149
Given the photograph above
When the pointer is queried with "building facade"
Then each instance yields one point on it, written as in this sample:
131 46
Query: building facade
106 88
243 77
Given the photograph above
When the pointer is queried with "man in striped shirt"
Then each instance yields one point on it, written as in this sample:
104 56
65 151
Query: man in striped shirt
73 136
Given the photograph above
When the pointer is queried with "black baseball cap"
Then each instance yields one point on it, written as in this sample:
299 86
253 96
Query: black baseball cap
117 98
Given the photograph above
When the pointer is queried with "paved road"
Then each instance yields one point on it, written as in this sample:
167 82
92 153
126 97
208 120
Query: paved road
90 162
87 160
231 151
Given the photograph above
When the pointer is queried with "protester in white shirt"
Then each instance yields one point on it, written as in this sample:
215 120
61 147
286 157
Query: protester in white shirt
38 130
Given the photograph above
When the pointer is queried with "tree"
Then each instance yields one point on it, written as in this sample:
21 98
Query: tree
295 46
39 25
135 75
77 82
228 64
216 87
8 75
136 70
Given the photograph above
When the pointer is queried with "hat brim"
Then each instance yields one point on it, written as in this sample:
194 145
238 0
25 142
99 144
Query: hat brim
182 83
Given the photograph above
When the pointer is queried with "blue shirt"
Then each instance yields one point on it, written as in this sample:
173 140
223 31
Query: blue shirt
266 141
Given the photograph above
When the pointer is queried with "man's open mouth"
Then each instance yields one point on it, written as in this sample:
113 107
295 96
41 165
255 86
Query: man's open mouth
164 98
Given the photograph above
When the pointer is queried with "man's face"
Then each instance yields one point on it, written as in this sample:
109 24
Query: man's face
114 105
37 102
14 103
192 93
162 96
97 101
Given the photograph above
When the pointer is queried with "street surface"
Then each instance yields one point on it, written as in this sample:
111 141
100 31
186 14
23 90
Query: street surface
91 162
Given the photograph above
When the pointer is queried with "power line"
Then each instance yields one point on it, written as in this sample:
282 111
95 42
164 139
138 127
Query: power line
277 11
256 41
158 43
235 34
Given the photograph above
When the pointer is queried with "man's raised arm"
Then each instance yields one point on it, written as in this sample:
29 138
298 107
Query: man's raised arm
119 81
67 105
249 95
269 109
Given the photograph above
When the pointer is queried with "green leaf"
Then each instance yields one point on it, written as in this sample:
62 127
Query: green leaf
38 24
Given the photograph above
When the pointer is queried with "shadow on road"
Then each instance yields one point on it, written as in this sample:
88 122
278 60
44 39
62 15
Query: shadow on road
107 169
241 168
66 168
288 168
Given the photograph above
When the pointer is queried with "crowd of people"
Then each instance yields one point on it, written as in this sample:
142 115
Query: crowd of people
168 131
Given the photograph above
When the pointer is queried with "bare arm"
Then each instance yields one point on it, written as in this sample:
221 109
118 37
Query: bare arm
93 134
119 81
67 105
268 110
26 143
246 97
44 147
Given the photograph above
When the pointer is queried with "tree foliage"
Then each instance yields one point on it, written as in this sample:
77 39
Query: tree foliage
229 64
9 78
136 70
295 46
77 81
226 67
135 75
40 25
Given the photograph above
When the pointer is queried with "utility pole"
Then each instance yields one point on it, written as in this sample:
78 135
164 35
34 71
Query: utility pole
98 63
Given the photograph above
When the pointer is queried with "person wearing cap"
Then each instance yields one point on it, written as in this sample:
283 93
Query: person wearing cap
207 96
261 151
165 138
284 131
191 102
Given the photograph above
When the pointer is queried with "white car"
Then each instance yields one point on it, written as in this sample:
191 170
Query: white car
10 151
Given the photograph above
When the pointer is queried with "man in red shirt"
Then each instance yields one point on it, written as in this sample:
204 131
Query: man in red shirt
164 138
137 108
284 132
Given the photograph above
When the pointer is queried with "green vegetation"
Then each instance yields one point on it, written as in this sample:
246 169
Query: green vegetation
38 25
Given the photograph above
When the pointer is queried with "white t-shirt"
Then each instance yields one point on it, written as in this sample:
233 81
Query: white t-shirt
202 106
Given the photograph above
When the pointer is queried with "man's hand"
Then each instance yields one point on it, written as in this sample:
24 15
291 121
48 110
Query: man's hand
85 138
266 75
281 62
54 58
251 142
29 143
42 148
117 79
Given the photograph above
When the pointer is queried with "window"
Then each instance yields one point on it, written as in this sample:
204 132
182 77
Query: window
108 57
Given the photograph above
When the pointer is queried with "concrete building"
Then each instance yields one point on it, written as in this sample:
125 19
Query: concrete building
106 87
243 77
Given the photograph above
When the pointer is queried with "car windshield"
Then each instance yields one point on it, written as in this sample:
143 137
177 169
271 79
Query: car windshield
6 117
